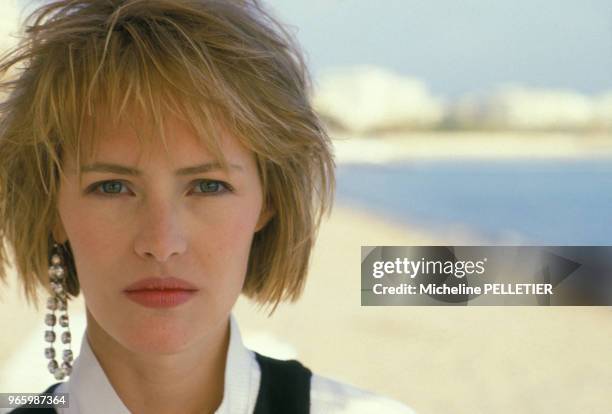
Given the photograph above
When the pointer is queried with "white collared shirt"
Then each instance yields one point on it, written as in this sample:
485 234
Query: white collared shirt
90 392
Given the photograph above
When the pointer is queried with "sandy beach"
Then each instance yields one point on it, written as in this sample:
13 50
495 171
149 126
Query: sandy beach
435 359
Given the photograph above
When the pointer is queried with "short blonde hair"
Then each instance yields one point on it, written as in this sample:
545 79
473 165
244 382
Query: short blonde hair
211 62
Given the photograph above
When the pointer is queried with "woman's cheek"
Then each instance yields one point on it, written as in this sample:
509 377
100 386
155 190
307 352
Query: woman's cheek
238 233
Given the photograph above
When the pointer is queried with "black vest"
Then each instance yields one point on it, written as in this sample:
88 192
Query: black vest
284 388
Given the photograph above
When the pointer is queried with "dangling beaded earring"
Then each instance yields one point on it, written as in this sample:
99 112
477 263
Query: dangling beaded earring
58 302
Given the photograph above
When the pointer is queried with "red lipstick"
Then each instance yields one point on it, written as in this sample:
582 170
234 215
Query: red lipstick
165 292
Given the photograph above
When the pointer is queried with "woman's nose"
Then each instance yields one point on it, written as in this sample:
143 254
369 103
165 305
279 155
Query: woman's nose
161 234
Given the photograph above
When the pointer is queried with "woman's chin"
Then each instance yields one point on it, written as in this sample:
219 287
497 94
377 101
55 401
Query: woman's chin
157 341
164 335
160 334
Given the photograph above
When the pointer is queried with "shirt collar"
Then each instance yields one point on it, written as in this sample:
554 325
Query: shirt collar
91 392
242 376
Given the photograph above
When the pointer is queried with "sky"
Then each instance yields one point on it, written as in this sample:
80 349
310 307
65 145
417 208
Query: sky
460 47
455 47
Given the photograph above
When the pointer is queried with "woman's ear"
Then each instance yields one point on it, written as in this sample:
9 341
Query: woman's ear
58 231
264 217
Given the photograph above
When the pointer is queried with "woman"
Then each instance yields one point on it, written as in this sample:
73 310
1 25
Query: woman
162 157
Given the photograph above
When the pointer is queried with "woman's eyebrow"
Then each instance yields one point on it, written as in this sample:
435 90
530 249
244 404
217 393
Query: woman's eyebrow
126 170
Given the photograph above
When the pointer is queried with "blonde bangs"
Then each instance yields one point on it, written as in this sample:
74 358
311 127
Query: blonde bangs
133 82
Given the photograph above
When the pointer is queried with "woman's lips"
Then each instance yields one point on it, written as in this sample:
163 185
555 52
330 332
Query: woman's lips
164 292
161 283
160 298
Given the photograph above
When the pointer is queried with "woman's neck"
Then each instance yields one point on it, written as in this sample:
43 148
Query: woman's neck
190 381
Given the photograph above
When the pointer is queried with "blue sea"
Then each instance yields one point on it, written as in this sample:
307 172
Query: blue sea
543 202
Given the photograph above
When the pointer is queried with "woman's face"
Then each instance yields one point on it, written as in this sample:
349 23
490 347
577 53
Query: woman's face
142 212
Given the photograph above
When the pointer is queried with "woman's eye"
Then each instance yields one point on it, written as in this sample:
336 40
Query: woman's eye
115 187
211 186
108 187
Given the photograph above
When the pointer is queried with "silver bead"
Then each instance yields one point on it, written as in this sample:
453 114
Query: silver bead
59 300
50 319
59 374
50 352
55 259
52 303
52 366
57 287
56 271
66 368
49 336
67 355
